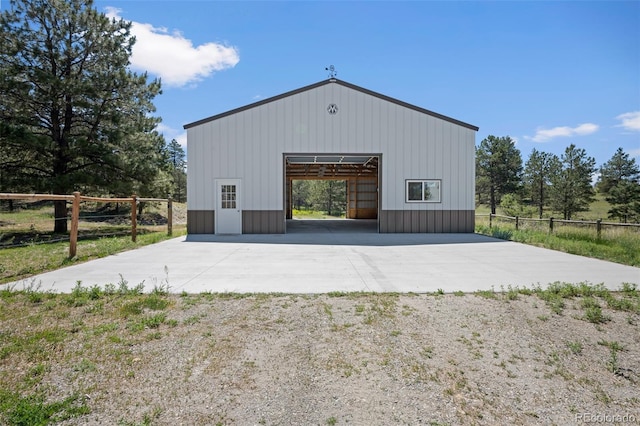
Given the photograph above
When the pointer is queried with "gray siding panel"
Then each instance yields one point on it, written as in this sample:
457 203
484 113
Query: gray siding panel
200 221
423 221
263 222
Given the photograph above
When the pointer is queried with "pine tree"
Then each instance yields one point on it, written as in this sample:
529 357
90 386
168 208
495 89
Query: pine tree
571 190
65 83
625 201
177 167
619 168
537 176
498 168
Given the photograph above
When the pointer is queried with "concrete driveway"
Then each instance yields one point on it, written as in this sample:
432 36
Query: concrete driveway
337 261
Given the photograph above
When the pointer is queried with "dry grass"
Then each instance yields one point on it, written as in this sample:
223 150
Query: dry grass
517 356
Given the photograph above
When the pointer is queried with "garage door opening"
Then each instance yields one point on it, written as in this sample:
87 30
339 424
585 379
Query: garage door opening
353 177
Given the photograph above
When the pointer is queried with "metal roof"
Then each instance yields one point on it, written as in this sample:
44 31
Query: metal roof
322 83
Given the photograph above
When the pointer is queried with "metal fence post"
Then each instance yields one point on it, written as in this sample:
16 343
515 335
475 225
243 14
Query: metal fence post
75 218
134 217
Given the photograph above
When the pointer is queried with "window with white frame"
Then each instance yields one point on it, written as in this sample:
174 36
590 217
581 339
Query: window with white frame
422 191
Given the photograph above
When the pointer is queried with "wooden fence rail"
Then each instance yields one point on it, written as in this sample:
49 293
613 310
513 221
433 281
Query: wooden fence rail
76 199
551 222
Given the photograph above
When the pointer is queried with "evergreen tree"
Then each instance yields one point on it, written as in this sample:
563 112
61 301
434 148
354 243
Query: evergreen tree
329 196
300 193
498 168
625 201
619 168
571 190
65 84
539 169
177 166
619 180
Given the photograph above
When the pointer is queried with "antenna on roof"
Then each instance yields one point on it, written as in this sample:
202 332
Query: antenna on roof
332 71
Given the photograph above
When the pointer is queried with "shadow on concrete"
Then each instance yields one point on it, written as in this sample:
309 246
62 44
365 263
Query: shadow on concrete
341 232
315 226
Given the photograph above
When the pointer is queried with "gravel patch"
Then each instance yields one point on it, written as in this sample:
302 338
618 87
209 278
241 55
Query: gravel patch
363 359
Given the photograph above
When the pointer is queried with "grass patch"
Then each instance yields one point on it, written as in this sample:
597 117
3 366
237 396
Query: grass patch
619 247
21 262
33 410
487 294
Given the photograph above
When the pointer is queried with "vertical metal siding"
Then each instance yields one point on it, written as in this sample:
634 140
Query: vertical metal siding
249 145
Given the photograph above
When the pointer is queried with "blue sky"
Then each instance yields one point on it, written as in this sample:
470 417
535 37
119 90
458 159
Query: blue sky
546 73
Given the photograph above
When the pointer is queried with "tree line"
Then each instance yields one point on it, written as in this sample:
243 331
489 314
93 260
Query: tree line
322 195
563 184
73 117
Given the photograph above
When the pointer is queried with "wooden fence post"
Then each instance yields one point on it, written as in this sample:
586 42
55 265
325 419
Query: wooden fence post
490 220
517 223
599 227
169 217
550 225
134 217
75 217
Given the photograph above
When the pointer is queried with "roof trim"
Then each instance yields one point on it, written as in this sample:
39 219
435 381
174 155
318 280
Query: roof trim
329 81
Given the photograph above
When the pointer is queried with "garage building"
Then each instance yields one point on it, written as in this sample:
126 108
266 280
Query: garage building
409 168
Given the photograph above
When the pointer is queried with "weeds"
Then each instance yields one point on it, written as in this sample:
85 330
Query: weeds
32 410
594 314
614 348
575 347
487 294
511 293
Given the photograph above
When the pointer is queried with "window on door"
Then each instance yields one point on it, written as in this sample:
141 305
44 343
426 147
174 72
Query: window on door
228 195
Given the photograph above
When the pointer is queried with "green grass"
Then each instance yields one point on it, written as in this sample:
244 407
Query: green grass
20 262
312 214
32 410
619 247
29 247
23 401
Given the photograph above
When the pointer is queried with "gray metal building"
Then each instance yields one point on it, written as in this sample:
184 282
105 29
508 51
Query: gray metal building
410 168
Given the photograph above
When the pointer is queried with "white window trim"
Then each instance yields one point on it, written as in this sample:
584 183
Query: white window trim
423 182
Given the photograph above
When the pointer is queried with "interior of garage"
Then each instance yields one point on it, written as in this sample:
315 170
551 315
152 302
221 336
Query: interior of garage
359 171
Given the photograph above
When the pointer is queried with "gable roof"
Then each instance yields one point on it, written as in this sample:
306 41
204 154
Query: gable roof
332 81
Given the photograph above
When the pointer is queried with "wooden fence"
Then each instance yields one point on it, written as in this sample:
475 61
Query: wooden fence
76 199
552 223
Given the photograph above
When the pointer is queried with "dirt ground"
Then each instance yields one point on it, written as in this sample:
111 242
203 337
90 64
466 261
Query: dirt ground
361 359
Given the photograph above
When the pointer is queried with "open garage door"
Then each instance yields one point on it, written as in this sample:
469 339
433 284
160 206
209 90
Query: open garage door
360 171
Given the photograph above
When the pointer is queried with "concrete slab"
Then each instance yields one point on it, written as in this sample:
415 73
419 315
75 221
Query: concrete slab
323 262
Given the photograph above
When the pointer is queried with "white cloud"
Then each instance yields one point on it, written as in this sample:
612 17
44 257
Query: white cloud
173 57
544 135
170 133
630 120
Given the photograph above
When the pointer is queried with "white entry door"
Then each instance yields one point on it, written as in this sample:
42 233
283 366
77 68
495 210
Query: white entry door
228 211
